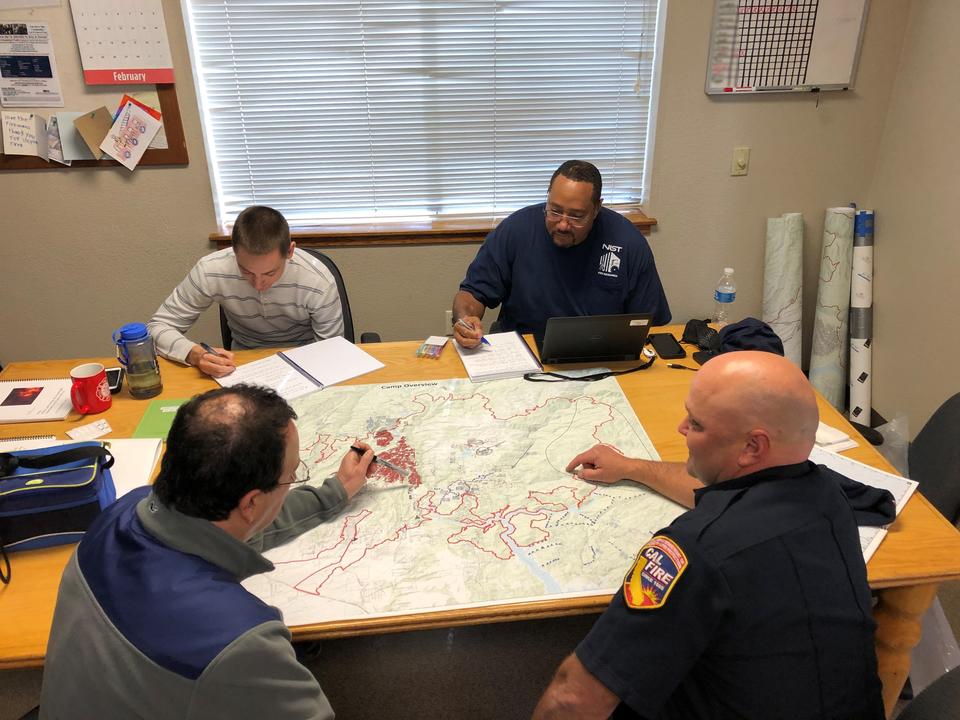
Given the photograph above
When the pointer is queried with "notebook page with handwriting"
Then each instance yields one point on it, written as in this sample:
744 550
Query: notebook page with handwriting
506 356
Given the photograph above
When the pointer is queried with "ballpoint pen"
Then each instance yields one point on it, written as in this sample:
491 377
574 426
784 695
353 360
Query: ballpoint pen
210 350
471 328
380 461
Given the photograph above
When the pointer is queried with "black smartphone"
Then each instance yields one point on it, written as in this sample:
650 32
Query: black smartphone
115 379
667 346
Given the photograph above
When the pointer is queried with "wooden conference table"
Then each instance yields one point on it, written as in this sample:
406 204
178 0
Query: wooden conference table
921 550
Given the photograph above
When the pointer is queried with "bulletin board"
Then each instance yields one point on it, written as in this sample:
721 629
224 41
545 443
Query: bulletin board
797 46
83 98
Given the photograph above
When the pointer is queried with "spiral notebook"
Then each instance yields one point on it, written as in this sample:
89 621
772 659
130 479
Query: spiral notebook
305 369
34 400
504 355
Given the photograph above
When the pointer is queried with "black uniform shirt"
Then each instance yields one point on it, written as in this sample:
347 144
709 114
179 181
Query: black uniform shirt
752 605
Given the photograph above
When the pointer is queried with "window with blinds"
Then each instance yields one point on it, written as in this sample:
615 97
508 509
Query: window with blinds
376 111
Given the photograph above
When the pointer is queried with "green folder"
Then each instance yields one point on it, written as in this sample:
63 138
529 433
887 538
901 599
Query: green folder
158 418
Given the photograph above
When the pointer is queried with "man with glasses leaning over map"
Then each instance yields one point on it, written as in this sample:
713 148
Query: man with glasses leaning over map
151 618
566 257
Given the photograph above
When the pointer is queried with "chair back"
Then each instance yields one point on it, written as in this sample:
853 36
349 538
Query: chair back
934 459
341 290
937 701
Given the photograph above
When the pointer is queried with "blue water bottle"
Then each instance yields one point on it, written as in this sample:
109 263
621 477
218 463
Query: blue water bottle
136 353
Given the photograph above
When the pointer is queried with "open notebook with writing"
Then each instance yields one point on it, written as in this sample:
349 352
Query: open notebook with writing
305 369
506 356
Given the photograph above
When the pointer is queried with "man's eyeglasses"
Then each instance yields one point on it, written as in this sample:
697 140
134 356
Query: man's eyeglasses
557 216
300 475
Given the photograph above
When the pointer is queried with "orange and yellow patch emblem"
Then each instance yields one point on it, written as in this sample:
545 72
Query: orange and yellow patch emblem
654 573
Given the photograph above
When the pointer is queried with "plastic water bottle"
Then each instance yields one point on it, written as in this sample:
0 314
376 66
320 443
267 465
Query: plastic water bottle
136 353
723 299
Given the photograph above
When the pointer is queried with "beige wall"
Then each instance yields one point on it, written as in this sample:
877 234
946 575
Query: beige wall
916 192
84 251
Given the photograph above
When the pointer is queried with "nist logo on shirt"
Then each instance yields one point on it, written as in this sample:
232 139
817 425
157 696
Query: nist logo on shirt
610 261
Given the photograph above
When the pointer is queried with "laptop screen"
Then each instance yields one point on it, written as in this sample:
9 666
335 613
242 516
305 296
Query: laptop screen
594 338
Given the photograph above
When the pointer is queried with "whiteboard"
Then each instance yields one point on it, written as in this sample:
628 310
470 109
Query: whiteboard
784 45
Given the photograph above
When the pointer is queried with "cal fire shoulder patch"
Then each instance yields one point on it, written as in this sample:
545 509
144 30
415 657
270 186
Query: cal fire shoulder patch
658 566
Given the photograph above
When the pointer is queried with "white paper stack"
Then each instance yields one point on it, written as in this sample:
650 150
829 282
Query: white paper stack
833 439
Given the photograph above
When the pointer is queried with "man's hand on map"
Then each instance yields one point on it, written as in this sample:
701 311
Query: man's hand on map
601 463
352 473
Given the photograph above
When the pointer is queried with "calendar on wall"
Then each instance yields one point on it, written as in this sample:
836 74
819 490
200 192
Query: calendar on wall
780 46
122 42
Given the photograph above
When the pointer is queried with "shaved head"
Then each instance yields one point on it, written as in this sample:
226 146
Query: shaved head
747 411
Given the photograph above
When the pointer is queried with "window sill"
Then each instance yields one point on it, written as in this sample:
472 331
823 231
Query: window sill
443 232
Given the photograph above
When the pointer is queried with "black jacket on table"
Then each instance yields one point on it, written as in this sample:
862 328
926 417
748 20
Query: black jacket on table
754 604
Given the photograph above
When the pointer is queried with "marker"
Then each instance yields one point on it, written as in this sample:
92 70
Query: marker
471 328
678 366
386 463
210 350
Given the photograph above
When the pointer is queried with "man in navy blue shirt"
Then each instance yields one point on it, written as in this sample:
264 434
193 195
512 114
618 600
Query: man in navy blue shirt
565 257
754 604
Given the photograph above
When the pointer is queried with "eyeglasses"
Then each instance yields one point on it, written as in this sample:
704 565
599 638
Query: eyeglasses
557 216
300 475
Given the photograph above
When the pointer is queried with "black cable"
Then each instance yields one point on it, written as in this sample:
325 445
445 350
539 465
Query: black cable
546 376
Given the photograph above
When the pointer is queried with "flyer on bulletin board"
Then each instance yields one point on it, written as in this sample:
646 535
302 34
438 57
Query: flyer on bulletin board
131 134
28 69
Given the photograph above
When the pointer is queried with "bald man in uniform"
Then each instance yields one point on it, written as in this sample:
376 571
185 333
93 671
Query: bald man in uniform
754 604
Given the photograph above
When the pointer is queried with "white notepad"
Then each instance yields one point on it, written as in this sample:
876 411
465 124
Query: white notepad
303 370
506 356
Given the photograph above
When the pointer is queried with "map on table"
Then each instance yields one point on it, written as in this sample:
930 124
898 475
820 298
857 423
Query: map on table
487 515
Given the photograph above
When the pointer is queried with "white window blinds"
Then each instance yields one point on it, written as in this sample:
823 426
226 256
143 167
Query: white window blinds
378 111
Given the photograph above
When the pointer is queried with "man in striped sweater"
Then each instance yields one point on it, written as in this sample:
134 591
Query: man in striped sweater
273 294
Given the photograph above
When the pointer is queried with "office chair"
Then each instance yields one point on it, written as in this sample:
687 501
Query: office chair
367 337
939 700
32 715
934 459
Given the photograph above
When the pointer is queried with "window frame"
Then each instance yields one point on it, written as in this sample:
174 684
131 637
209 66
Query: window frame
444 230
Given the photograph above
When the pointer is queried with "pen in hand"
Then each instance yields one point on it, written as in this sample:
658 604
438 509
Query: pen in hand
210 350
463 323
380 461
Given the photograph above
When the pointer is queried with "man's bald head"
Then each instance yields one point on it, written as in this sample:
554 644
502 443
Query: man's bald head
755 399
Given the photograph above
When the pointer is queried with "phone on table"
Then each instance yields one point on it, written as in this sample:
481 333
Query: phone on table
115 379
667 346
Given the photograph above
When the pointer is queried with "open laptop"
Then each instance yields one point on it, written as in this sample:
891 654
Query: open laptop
594 338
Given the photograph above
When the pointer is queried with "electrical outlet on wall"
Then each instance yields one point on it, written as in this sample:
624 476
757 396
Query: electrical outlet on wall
447 322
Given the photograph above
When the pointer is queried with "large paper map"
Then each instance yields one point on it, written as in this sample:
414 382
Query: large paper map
487 515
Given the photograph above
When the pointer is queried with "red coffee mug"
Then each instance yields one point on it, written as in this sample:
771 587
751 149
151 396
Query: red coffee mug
90 392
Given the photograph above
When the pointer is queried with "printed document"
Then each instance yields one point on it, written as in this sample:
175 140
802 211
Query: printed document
28 70
900 487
